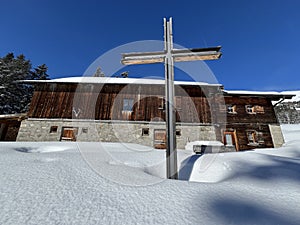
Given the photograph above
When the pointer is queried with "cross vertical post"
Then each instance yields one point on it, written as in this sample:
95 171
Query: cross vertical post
170 109
168 57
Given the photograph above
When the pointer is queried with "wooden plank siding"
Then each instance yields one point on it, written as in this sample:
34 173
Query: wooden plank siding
241 133
242 116
241 121
105 102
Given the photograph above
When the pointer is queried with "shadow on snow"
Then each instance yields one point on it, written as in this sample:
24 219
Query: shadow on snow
237 211
24 149
187 166
277 168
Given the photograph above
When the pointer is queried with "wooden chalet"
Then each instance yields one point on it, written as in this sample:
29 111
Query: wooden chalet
132 110
251 120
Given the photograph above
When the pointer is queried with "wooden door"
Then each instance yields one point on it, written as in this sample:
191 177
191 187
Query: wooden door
69 133
160 139
229 139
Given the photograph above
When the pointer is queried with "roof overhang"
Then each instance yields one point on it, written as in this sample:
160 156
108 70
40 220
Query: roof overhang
13 117
262 94
114 80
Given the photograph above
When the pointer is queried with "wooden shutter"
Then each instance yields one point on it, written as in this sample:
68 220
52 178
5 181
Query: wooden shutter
259 109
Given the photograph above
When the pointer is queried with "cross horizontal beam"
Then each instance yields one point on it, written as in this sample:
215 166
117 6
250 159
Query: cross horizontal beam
179 55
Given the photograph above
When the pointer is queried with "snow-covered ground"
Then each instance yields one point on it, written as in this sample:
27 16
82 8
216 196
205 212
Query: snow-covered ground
109 183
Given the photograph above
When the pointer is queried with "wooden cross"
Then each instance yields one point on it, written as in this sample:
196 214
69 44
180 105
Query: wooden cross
168 57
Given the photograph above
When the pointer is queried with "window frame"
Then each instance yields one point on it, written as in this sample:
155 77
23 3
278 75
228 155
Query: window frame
232 109
255 109
259 109
53 129
257 137
145 131
128 104
162 103
249 107
69 130
84 130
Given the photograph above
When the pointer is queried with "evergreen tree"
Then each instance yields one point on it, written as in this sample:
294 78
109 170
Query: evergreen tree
40 73
15 96
124 74
99 73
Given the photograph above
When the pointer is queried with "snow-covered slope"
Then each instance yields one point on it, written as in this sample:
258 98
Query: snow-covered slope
77 183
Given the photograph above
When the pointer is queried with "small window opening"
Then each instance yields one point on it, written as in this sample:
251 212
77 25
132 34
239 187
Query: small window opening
249 109
231 109
145 132
85 130
128 104
255 109
162 104
259 109
53 129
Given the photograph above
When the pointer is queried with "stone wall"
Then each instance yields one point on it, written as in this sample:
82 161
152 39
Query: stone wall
111 131
277 136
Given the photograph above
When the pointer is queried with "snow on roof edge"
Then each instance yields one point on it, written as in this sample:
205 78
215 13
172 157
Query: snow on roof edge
260 93
114 80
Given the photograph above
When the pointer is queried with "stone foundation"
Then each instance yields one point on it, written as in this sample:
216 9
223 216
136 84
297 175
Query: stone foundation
277 135
111 131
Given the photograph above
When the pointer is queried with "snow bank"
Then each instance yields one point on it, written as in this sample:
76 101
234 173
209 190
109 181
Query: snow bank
189 146
67 187
40 147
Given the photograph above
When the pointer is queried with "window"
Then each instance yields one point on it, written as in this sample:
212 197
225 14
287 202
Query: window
254 109
249 109
255 138
145 132
251 137
260 138
229 137
84 130
53 129
231 109
162 104
178 103
128 104
259 109
178 132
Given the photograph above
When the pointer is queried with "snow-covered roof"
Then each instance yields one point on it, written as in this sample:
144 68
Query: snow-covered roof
274 94
296 98
115 80
290 95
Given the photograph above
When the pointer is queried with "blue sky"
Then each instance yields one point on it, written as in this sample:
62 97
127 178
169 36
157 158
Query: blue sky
259 39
